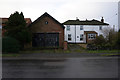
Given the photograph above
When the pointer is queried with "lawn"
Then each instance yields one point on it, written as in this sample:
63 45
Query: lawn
10 55
58 51
71 49
102 51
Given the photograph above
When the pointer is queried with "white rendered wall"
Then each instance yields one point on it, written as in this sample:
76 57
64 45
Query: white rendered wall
76 28
72 32
94 28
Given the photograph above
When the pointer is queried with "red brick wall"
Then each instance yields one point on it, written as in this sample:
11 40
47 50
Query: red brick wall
51 27
65 45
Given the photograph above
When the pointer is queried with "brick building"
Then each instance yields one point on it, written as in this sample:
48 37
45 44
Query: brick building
47 32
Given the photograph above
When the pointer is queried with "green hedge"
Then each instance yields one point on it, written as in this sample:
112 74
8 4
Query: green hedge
10 45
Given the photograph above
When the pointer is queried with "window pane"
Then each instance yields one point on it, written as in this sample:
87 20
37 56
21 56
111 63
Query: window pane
69 37
91 36
100 27
81 37
46 22
81 27
68 28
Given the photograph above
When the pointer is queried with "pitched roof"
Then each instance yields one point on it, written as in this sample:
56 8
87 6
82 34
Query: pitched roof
4 20
28 21
86 22
90 32
46 15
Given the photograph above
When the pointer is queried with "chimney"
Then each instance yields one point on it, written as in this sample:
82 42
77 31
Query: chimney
102 20
77 18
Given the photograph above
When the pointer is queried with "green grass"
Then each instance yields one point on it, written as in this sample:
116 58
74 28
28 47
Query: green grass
40 51
45 51
71 49
9 55
102 51
110 54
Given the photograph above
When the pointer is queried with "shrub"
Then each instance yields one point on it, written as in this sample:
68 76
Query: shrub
10 45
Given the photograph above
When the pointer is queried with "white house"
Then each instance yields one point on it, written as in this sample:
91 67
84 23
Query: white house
77 31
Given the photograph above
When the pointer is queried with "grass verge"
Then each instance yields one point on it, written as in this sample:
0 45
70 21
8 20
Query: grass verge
102 51
9 55
110 55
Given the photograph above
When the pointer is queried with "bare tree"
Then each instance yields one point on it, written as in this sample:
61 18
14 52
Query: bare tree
111 36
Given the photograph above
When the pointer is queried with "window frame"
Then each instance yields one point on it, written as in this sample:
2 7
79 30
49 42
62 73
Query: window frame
91 36
81 37
100 27
46 22
81 27
68 27
69 37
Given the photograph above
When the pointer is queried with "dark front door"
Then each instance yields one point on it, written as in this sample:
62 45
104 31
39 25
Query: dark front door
45 40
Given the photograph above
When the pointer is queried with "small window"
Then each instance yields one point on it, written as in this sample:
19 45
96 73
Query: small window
81 37
91 36
100 27
69 37
46 22
68 28
81 27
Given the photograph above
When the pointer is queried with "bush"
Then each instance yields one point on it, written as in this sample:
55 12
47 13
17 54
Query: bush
10 45
91 47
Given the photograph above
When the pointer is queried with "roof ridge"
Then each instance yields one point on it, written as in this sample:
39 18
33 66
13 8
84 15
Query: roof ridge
84 22
46 14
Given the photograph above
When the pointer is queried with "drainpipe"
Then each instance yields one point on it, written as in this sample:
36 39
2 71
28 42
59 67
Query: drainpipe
75 33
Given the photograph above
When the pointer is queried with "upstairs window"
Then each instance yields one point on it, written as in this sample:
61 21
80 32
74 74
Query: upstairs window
46 22
69 37
68 28
81 37
100 27
91 36
81 27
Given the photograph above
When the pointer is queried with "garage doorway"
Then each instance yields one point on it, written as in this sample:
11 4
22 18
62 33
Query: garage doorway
48 40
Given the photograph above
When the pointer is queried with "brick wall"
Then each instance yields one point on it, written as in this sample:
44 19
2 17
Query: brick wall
52 27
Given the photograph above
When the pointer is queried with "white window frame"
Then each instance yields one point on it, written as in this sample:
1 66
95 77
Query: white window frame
100 27
68 27
81 27
91 36
69 37
81 37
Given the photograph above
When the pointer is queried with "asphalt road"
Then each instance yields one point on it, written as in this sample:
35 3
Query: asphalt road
83 67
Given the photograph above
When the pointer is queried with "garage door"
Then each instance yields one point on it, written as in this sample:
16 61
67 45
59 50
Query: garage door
45 40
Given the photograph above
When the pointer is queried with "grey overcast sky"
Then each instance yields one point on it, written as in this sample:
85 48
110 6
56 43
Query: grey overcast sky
63 10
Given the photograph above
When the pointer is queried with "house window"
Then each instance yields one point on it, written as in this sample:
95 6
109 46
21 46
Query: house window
68 28
81 37
69 37
46 22
91 36
81 27
100 27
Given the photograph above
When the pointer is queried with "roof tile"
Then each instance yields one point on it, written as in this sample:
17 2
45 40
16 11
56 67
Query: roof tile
86 22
